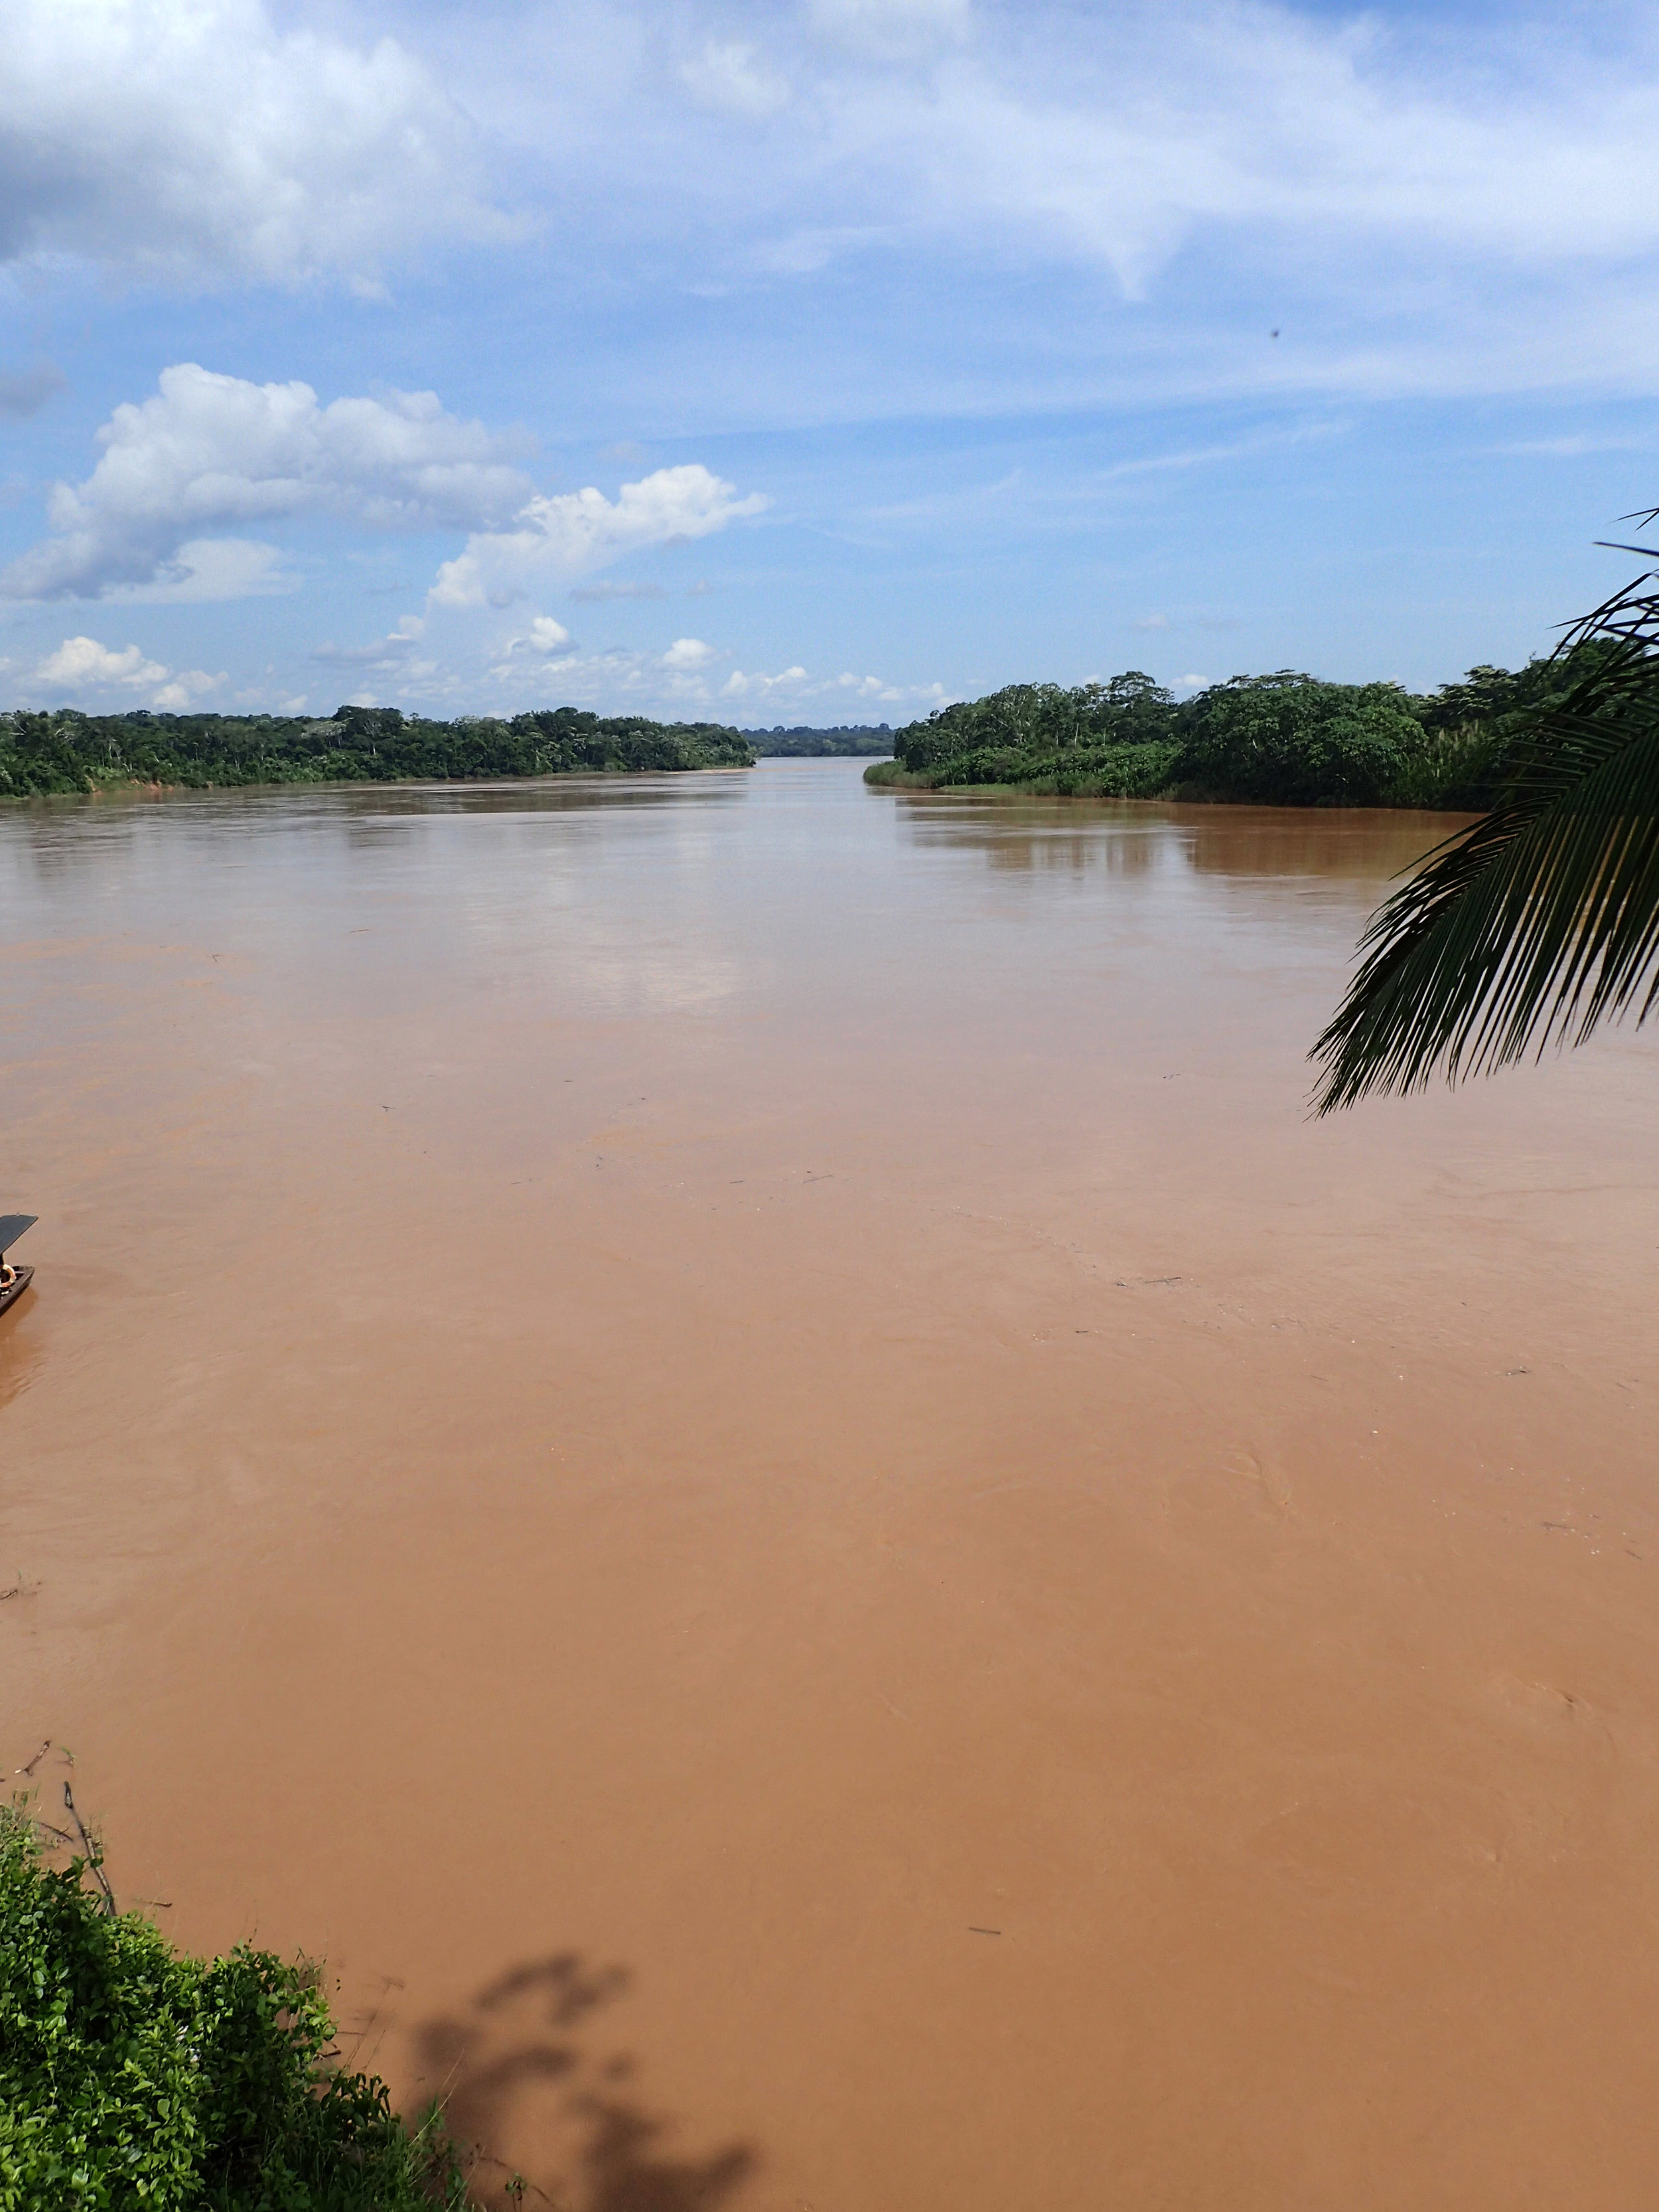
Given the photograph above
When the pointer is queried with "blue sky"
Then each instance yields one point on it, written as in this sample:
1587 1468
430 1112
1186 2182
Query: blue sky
814 362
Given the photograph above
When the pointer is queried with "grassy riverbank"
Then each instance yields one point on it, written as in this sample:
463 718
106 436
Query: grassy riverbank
131 2075
68 751
1286 739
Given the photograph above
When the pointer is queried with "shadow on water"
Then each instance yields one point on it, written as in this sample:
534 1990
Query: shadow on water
522 2065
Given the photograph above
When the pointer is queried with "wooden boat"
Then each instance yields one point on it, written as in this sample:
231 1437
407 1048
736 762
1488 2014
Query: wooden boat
14 1281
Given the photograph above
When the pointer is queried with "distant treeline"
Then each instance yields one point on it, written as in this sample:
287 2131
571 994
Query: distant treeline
69 751
1285 739
853 738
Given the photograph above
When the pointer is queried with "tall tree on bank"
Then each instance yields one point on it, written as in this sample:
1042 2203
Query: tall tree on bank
1540 920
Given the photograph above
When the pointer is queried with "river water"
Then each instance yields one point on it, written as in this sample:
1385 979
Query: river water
730 1437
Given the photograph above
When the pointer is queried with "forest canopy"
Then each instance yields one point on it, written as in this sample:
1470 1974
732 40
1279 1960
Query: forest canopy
858 738
69 751
1283 739
1286 739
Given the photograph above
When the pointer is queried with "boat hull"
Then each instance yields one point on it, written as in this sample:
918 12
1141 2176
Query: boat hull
12 1292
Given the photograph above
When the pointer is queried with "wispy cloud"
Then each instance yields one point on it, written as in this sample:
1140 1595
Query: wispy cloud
1397 199
753 689
1157 625
1574 447
595 594
735 78
394 652
25 392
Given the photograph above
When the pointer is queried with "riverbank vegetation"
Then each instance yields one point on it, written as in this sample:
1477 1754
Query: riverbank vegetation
68 751
131 2075
858 739
1286 739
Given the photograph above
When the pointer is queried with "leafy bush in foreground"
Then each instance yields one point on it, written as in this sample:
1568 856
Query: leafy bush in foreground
132 2077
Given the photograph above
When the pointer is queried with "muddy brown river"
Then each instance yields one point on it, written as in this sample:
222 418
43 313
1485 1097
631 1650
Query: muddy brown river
730 1438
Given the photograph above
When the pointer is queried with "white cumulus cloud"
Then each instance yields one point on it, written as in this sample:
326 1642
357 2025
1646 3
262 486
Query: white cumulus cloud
196 139
688 653
741 685
561 534
546 635
529 655
83 661
209 569
208 450
544 639
82 668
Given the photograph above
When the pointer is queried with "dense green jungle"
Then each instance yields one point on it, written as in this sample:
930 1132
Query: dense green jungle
68 751
1286 739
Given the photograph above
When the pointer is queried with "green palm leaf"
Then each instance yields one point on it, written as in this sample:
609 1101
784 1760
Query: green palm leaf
1541 919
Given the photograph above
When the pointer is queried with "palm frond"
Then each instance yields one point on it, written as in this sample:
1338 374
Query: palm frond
1540 920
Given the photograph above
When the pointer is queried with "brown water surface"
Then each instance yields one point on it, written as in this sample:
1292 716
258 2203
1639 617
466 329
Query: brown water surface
730 1437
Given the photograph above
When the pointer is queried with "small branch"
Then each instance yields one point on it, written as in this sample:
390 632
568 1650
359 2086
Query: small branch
94 1853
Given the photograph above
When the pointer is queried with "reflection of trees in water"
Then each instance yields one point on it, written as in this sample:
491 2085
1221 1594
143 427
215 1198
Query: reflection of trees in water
1342 844
519 2043
1081 838
551 795
1074 838
51 842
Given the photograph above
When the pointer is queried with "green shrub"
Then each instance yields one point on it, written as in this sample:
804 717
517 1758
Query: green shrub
1454 771
1471 728
1044 720
1098 771
133 2076
1289 740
